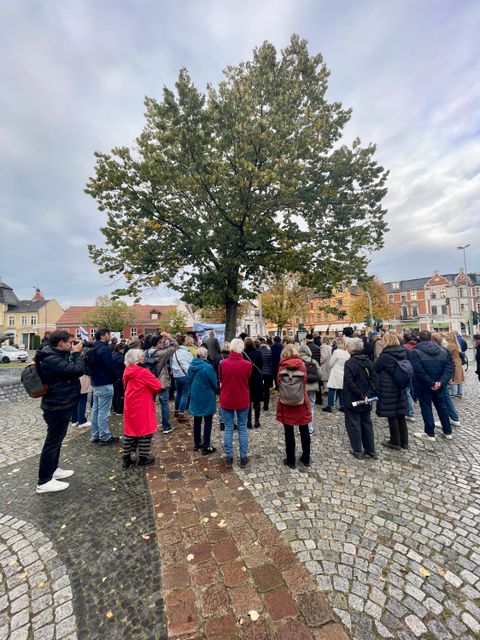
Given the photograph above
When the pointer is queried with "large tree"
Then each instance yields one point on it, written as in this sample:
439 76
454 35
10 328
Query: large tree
174 322
113 314
224 190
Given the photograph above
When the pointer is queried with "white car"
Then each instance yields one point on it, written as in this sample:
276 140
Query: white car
11 354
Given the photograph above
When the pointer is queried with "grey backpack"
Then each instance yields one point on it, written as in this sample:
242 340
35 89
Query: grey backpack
291 386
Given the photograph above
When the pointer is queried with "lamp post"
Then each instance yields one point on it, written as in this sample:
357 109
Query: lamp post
463 248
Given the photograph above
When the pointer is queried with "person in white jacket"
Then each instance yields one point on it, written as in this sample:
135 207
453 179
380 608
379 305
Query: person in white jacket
335 379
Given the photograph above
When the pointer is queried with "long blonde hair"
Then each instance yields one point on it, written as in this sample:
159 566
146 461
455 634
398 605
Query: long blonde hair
289 351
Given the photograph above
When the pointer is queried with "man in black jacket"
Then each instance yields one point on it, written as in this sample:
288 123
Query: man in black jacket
60 367
433 369
103 375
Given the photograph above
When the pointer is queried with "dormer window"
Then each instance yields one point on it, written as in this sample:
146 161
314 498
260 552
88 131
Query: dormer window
153 315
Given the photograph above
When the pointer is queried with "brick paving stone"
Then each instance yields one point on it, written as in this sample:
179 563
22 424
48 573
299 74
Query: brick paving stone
225 551
267 577
280 604
234 573
222 628
315 609
214 600
181 612
293 629
244 599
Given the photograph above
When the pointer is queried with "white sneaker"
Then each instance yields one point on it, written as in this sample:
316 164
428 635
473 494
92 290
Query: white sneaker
60 474
85 424
447 436
424 436
456 423
52 486
438 423
74 424
410 418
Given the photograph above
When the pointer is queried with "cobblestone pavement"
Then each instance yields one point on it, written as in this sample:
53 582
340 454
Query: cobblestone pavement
83 563
394 544
226 572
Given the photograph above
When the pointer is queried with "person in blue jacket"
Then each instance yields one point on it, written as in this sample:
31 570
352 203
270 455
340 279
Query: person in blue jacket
203 387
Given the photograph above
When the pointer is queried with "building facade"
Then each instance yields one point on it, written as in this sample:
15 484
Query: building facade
26 319
147 320
440 302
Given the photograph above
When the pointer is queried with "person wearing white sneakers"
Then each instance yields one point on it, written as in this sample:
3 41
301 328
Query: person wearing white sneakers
432 371
60 367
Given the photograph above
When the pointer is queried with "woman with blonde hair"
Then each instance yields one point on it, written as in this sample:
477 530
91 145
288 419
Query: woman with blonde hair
392 399
456 384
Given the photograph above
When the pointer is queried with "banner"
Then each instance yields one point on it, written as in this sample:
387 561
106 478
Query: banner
83 333
201 331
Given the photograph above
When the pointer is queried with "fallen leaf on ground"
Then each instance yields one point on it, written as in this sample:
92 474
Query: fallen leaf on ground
441 572
222 524
104 578
213 514
133 518
190 557
424 572
145 536
112 477
64 526
128 524
109 614
159 514
241 489
254 615
204 520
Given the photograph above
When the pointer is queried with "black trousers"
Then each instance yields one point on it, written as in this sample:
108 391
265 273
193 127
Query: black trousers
398 431
267 385
360 430
207 430
256 408
290 442
57 425
118 392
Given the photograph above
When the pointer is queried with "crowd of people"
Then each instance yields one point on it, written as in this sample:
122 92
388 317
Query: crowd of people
238 379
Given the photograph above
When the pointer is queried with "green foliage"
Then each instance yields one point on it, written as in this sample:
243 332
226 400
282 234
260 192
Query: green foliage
224 190
173 322
113 314
284 300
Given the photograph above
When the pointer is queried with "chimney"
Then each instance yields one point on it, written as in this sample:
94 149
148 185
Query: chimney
38 295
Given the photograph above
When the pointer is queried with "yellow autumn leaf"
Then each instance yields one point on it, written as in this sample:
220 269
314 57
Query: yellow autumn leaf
109 614
424 572
145 536
254 615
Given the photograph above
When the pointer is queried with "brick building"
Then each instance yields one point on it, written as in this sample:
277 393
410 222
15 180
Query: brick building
147 321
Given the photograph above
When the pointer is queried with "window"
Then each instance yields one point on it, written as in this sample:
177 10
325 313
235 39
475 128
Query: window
92 333
443 293
78 333
415 311
33 321
11 321
434 310
23 321
154 315
403 296
461 293
133 332
463 307
391 297
444 309
404 312
396 286
413 295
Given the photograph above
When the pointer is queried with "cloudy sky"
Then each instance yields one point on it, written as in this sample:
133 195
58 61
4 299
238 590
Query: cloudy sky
74 74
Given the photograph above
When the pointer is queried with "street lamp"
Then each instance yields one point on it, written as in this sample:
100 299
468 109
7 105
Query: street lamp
463 248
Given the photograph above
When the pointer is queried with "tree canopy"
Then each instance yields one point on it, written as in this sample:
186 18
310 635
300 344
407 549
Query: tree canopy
284 300
173 322
249 181
113 314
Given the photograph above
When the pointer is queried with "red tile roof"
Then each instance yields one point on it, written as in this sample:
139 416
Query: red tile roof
73 315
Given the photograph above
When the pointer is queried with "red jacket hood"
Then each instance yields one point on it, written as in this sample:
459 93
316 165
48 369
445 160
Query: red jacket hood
294 361
134 371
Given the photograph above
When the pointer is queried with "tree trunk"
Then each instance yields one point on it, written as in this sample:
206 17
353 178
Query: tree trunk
231 308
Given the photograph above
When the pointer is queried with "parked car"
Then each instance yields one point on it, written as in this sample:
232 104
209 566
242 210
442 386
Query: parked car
11 354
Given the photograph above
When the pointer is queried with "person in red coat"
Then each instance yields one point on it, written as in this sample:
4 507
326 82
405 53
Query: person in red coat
291 415
139 418
234 374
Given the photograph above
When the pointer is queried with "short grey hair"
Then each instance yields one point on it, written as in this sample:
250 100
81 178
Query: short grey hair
237 345
201 353
355 345
133 356
303 349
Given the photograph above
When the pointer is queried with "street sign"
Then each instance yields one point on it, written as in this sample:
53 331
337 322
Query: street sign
302 335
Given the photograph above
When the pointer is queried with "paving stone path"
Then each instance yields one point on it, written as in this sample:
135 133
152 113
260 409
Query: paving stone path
394 544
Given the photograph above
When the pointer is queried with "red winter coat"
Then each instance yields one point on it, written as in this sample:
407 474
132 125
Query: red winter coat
298 414
234 373
139 417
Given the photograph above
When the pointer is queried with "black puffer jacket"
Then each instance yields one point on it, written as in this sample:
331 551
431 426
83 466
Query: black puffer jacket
392 400
359 381
61 371
315 349
255 383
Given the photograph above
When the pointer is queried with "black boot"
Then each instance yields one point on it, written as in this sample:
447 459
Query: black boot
143 461
127 461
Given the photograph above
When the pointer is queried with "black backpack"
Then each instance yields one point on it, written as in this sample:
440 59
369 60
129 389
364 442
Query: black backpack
312 373
150 362
90 361
403 373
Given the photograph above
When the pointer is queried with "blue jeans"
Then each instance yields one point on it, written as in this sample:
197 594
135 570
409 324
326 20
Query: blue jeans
426 397
456 389
228 416
182 391
331 397
102 402
411 406
78 413
312 396
163 399
451 409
